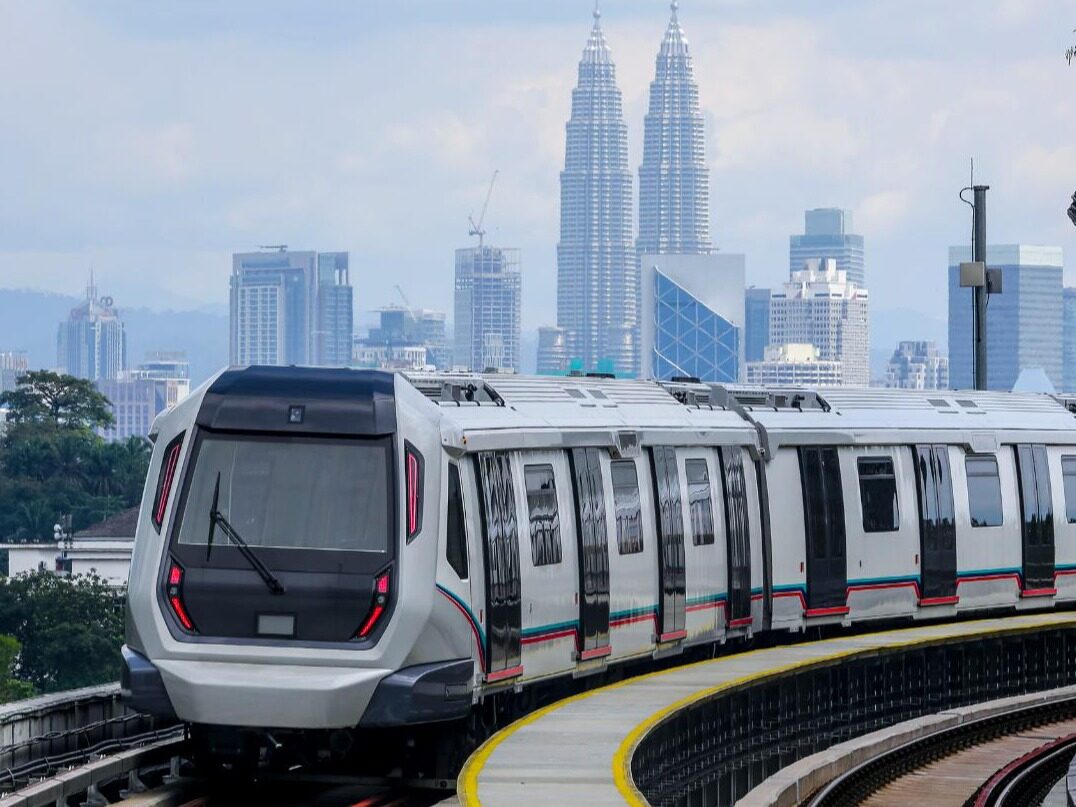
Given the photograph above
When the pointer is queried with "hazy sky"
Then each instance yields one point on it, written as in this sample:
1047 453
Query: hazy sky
154 139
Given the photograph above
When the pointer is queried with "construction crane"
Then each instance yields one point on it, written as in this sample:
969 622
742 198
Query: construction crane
476 229
406 302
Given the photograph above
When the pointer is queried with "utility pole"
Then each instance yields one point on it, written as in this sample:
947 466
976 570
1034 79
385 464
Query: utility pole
982 281
978 255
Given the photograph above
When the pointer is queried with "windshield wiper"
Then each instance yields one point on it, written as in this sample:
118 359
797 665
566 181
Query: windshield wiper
217 517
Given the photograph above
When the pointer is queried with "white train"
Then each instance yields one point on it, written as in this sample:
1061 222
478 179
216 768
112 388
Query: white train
339 549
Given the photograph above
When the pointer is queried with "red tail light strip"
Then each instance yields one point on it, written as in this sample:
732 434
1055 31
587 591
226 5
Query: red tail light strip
414 466
164 487
380 603
175 596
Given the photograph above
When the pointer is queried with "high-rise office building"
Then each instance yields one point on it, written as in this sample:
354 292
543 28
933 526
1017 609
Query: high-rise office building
827 233
822 307
1068 353
552 356
334 318
917 365
290 307
597 277
1023 323
139 395
488 299
692 316
674 182
794 365
756 323
91 343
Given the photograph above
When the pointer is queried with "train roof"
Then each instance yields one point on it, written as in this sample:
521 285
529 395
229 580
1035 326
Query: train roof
475 403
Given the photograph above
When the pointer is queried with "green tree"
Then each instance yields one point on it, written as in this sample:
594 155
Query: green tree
46 398
69 629
11 688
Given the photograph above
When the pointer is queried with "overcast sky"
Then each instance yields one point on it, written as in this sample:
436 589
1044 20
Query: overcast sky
151 140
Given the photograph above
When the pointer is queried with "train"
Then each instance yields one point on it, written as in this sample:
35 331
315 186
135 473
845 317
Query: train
342 554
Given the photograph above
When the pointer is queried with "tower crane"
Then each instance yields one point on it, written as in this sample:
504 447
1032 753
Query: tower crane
406 302
476 228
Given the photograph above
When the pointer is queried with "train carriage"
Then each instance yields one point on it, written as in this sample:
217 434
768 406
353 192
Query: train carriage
329 551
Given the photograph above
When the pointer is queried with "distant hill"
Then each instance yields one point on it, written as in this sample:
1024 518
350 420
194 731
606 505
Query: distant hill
28 321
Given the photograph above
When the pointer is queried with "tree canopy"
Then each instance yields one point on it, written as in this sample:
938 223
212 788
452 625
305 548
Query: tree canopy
52 463
69 631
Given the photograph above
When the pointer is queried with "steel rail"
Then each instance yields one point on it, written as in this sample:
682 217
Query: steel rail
1025 781
852 787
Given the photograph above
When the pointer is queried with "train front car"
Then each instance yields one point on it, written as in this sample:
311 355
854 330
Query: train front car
283 572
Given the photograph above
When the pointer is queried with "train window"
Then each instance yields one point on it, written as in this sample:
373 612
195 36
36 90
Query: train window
629 531
1068 475
545 522
984 490
878 494
456 544
699 504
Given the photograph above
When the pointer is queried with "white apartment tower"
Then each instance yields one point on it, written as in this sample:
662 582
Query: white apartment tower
821 307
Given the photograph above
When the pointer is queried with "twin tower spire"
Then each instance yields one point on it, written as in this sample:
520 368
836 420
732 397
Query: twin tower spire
597 263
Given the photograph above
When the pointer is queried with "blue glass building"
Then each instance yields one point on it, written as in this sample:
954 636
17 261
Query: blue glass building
1024 322
1068 353
757 323
693 314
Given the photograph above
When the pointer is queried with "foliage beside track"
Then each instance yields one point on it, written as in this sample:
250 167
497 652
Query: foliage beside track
61 633
53 463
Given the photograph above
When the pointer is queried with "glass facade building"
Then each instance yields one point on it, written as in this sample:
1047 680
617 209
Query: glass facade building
1024 322
1068 373
827 233
597 276
756 323
693 313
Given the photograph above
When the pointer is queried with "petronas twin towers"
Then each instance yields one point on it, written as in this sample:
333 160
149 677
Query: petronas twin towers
597 264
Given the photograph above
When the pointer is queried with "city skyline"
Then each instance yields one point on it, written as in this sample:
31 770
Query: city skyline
130 184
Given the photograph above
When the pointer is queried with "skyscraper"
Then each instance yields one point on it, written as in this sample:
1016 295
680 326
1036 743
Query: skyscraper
827 233
596 272
91 343
488 294
756 323
290 307
1023 323
1068 375
917 365
821 307
674 182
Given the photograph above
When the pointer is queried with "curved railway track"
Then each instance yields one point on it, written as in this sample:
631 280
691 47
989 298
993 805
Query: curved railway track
1009 759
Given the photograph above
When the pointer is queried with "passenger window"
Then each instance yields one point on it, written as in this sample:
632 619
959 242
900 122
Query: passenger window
984 490
456 544
878 494
545 522
1068 474
698 497
629 531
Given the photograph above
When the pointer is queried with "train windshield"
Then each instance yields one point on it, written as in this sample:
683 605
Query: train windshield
291 493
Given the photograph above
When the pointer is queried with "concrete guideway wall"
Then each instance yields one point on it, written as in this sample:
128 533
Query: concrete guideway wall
579 750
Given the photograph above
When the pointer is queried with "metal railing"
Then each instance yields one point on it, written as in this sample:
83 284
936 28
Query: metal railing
716 750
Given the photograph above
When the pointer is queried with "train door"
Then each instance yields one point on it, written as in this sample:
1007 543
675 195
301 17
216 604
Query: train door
500 532
593 544
672 580
823 516
737 535
937 524
1036 507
